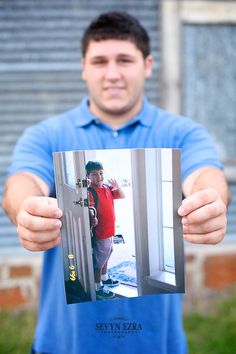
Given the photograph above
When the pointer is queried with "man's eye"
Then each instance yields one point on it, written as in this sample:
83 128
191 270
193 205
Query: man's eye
99 62
125 60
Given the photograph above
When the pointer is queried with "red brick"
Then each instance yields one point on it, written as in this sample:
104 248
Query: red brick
190 258
11 298
189 280
20 271
220 271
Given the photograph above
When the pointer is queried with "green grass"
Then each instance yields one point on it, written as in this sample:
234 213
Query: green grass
16 332
213 333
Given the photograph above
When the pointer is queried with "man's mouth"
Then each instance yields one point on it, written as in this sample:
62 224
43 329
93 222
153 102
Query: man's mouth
114 88
114 91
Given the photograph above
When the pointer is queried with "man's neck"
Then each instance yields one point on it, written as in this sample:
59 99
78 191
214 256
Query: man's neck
113 120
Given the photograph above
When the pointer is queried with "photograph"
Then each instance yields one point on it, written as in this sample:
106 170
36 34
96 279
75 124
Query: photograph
121 235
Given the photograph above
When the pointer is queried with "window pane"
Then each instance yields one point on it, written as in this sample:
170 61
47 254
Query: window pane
166 164
70 169
169 255
167 204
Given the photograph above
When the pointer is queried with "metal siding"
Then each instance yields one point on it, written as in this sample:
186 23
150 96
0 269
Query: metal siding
208 90
40 66
231 229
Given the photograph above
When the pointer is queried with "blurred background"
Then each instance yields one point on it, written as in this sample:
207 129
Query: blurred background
194 48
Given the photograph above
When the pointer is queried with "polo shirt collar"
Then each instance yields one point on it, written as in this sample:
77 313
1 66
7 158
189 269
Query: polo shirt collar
86 117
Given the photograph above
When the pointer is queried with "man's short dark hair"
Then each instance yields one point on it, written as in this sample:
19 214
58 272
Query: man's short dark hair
93 165
116 25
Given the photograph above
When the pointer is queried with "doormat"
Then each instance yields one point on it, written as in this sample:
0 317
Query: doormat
125 272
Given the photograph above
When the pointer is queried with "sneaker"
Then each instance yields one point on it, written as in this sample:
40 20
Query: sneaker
111 282
104 294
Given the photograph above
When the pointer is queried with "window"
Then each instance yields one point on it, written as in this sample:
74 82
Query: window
69 169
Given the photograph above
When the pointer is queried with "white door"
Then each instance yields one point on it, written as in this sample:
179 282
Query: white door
71 186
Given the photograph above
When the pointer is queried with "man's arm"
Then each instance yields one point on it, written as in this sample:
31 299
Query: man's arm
36 215
204 209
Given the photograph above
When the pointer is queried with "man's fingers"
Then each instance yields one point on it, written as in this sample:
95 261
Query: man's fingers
36 223
205 213
36 247
205 227
42 206
37 236
203 217
210 238
197 200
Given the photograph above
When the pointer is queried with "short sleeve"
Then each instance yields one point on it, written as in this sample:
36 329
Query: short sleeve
115 194
197 148
33 153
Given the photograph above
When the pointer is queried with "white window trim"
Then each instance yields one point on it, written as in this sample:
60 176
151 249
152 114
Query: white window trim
174 15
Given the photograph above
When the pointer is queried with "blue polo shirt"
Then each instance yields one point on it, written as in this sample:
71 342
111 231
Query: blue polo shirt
153 323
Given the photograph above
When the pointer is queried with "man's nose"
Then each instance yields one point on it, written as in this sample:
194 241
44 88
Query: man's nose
112 71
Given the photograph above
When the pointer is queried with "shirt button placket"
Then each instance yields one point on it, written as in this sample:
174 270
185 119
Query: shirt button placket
115 133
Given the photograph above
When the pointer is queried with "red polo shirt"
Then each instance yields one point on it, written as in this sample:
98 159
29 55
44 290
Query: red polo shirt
105 210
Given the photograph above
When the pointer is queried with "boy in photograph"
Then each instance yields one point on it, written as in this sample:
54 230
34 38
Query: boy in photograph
101 197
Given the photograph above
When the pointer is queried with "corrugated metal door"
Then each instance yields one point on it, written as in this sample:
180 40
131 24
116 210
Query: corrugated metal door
40 66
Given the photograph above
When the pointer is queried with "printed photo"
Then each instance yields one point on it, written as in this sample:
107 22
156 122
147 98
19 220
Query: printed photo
121 234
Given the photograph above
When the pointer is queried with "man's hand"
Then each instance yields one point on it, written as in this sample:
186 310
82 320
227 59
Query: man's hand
203 217
38 224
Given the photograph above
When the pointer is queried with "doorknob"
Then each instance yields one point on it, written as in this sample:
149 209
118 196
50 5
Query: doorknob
82 183
79 202
82 202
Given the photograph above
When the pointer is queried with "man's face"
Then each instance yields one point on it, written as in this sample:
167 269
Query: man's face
115 71
96 177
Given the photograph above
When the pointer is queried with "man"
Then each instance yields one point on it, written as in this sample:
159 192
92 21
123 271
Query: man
101 198
116 62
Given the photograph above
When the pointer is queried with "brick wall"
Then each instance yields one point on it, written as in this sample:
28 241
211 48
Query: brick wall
19 282
210 273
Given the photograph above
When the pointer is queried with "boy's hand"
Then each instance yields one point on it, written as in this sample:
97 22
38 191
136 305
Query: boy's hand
93 216
38 224
94 221
114 184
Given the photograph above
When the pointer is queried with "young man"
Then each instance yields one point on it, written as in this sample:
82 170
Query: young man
116 62
101 197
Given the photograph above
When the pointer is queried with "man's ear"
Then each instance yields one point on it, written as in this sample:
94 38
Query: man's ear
148 66
83 74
